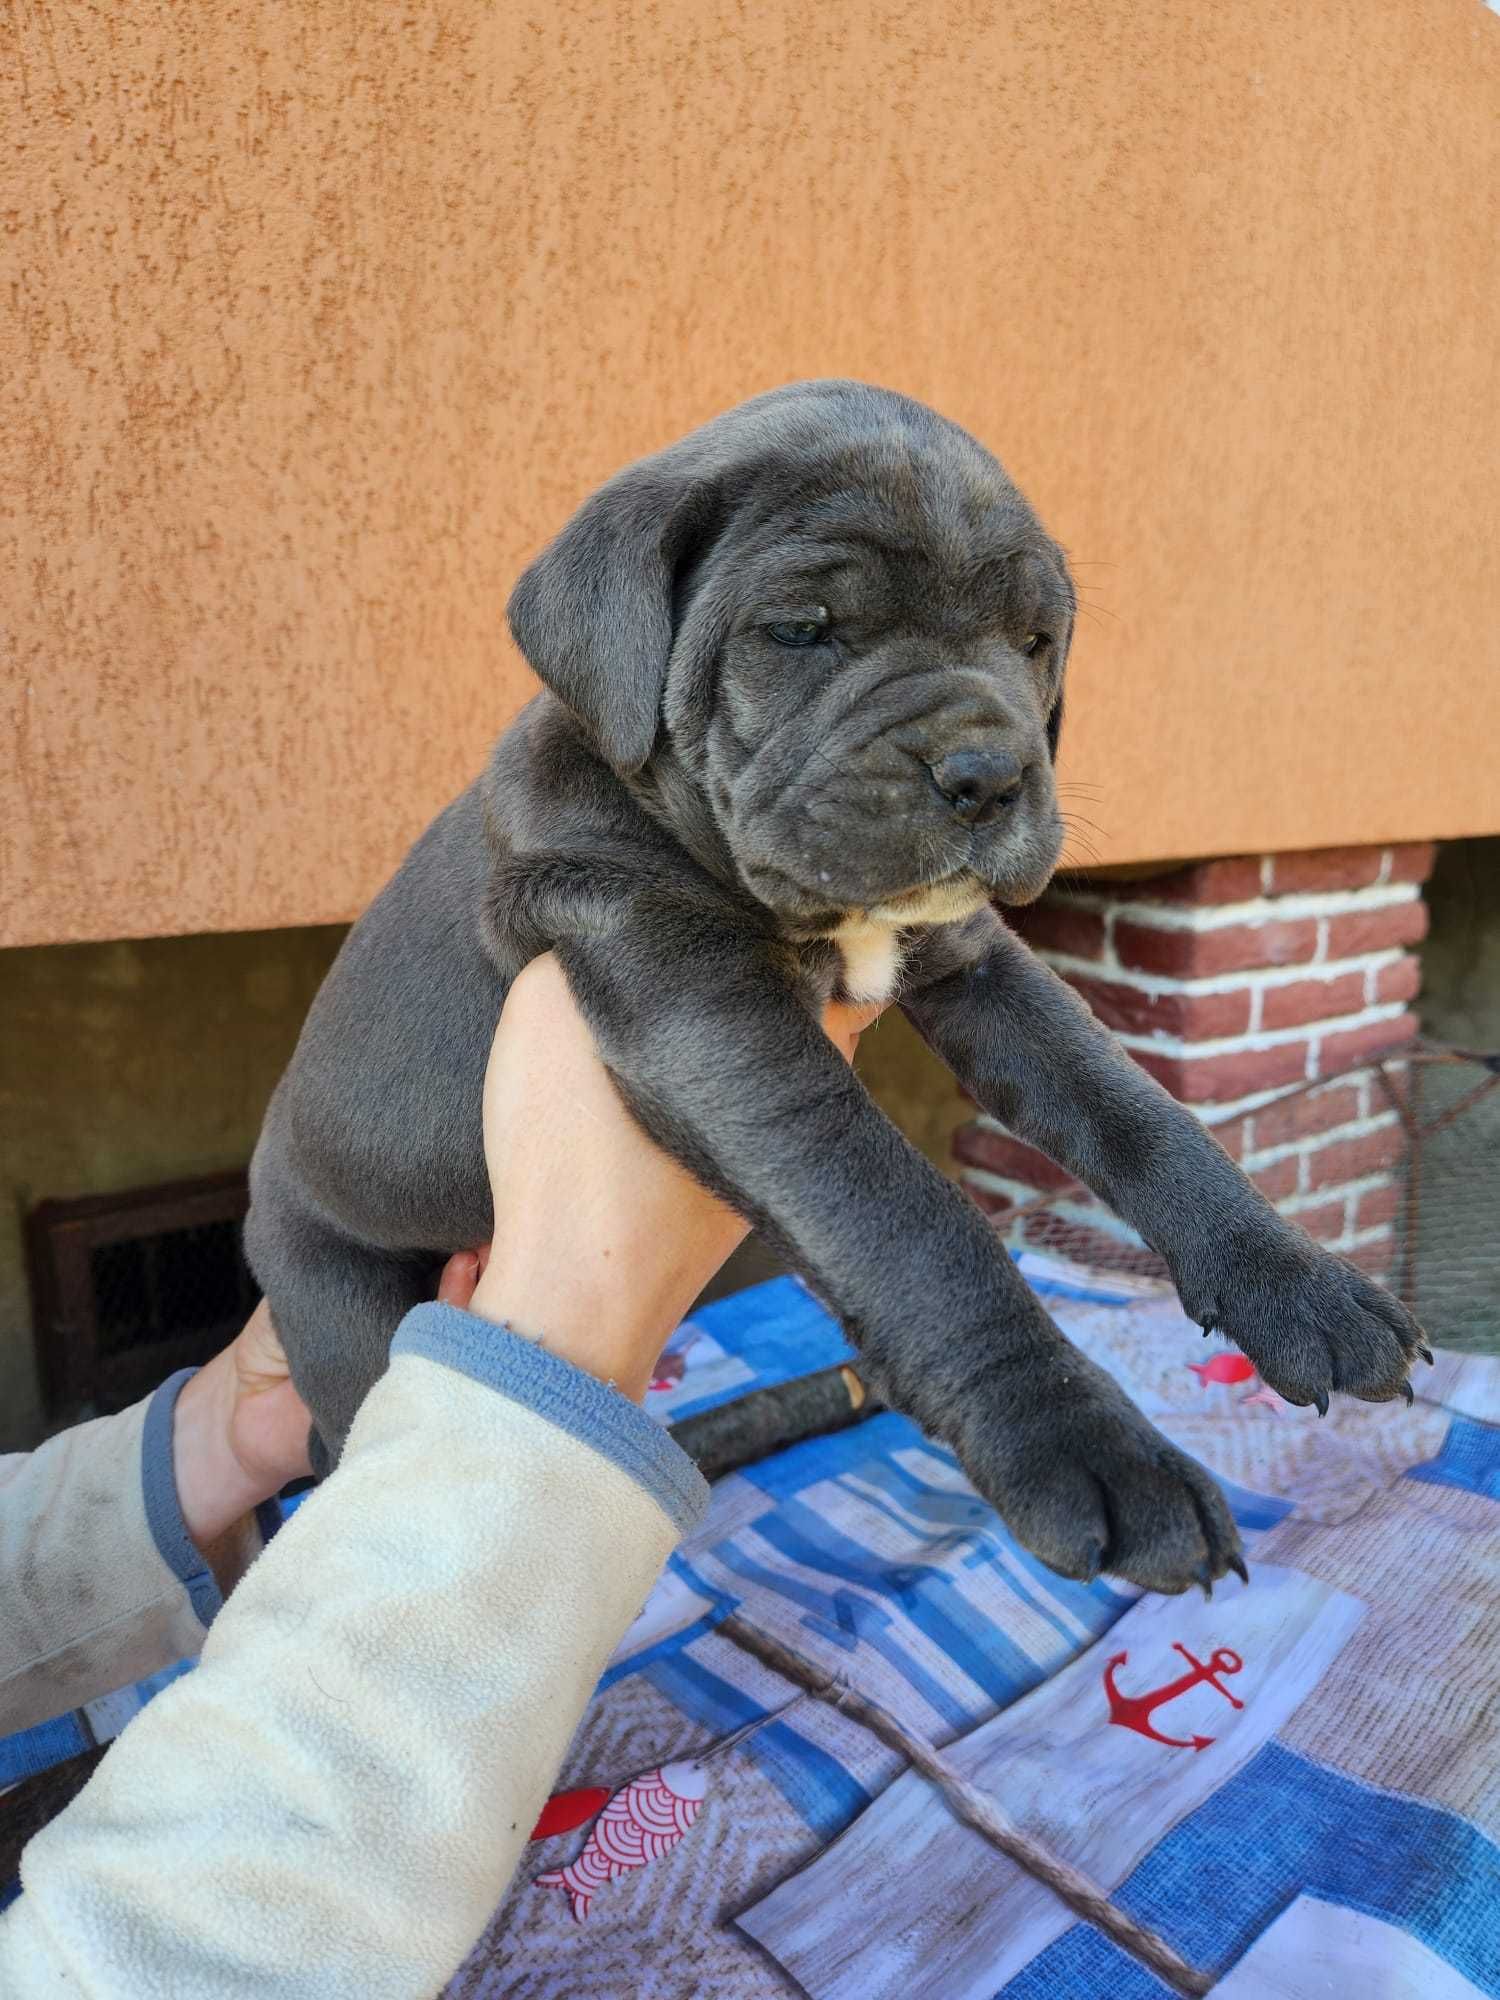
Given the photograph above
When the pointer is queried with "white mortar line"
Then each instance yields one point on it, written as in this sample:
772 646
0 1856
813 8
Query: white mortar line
1081 1208
1232 1110
1362 1239
1087 1209
1258 910
1313 1142
1101 1219
1294 1205
1256 1157
1256 978
1163 1044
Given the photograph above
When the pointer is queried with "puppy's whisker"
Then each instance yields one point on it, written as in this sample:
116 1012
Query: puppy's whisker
1079 857
1080 848
1077 825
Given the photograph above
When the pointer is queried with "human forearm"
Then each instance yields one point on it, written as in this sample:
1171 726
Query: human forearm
334 1801
101 1580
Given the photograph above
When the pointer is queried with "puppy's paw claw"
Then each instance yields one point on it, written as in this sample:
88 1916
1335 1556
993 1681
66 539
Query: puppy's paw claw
1088 1484
1310 1321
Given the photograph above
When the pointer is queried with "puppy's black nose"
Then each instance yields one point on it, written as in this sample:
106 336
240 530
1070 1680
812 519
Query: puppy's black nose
978 784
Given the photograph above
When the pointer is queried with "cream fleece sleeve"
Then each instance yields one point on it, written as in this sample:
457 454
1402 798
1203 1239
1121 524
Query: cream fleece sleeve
99 1581
333 1802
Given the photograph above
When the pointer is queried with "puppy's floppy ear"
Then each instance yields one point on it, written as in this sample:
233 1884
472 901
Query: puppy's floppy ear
1055 713
1054 726
594 613
1055 729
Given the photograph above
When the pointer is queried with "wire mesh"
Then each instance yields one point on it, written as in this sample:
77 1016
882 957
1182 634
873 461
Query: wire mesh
1428 1214
129 1285
1447 1249
180 1283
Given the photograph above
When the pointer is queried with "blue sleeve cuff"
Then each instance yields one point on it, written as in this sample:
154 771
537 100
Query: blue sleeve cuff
578 1403
164 1509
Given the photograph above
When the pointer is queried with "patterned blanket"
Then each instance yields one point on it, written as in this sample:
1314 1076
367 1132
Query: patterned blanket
1295 1785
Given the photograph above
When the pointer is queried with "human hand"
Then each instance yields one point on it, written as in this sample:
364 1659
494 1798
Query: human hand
601 1241
239 1432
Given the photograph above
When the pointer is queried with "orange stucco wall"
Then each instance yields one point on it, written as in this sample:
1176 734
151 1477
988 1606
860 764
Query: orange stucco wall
319 319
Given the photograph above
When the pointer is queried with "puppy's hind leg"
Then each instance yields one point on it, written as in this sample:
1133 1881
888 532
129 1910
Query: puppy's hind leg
336 1305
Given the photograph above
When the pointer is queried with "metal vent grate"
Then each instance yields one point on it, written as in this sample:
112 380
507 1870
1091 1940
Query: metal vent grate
127 1287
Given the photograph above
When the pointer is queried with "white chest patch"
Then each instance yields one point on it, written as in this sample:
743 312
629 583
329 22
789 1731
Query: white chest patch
872 959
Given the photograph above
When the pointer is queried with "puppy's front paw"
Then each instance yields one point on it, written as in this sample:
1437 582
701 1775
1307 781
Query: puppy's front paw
1088 1484
1310 1322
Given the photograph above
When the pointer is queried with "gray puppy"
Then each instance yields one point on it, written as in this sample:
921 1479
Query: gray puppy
804 676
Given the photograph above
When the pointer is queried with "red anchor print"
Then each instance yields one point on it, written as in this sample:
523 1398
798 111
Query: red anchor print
1134 1711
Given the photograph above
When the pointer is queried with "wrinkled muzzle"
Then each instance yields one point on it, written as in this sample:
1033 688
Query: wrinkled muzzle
937 807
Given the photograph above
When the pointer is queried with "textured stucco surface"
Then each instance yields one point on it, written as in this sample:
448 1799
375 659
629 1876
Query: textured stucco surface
126 1064
317 320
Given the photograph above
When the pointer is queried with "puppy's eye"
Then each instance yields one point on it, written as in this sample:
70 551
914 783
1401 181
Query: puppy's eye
1033 643
800 632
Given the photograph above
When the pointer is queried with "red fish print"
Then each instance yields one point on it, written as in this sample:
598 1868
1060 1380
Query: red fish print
644 1820
1269 1397
1223 1368
565 1810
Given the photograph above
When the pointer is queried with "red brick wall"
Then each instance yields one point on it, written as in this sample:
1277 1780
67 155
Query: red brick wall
1231 981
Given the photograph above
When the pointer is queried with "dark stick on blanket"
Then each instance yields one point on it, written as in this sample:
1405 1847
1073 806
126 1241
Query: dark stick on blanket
738 1433
975 1808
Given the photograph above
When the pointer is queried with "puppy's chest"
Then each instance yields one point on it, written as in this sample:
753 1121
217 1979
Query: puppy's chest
870 954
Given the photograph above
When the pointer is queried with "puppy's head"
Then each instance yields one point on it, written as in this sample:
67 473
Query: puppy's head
832 610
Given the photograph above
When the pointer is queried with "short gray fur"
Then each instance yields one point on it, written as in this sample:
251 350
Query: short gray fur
684 816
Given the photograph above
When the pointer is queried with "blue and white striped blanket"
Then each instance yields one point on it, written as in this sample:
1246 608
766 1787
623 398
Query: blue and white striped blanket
1314 1811
1334 1832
